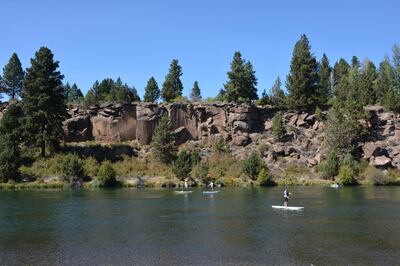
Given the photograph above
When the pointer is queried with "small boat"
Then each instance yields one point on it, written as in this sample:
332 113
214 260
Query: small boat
335 186
183 191
288 208
210 191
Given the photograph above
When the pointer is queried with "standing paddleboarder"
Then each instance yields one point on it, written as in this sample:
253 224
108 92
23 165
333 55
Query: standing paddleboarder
286 195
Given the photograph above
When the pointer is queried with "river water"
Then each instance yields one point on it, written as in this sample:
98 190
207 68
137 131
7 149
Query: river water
348 226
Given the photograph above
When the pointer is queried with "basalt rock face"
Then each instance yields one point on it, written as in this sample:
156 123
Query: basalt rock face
114 122
246 129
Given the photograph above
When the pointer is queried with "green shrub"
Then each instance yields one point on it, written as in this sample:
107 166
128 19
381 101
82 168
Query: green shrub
318 114
91 166
200 172
278 129
252 165
182 165
393 177
347 175
9 159
264 178
72 168
107 175
330 166
373 176
220 145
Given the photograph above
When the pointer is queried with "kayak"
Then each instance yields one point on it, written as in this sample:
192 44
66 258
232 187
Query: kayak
183 191
335 186
289 208
211 192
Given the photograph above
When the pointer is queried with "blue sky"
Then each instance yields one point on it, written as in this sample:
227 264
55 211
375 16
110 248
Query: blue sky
138 39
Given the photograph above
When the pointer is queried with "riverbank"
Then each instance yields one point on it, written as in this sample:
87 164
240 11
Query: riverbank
161 182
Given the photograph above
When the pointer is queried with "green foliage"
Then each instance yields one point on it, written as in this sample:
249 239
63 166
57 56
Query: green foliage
109 90
172 86
324 75
278 129
43 102
152 92
72 168
163 141
264 178
252 165
385 81
75 94
341 129
182 166
9 158
195 94
242 82
302 81
13 77
200 172
347 176
220 145
373 176
318 114
393 177
330 166
278 96
367 86
107 175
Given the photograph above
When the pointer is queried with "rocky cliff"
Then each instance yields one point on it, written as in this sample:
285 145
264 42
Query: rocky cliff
245 127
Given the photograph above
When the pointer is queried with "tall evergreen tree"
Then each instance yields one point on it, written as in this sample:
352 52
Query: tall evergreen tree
242 82
75 94
367 83
13 77
43 102
302 81
341 82
172 86
162 142
66 90
324 88
195 94
385 81
278 97
152 92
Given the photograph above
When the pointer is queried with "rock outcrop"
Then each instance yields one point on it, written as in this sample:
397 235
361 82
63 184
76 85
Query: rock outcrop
245 127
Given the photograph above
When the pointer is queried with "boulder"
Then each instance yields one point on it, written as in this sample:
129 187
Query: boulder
241 140
181 135
267 125
372 149
382 161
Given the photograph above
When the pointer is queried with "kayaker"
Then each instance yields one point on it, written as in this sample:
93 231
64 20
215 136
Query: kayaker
186 185
286 195
211 185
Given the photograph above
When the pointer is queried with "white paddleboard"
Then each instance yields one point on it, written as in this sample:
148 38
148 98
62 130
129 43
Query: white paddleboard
211 192
289 208
183 191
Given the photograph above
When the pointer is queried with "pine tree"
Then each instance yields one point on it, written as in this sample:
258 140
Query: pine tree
75 94
66 91
195 94
385 81
10 138
172 86
13 77
242 82
43 102
302 81
162 143
278 97
341 81
324 88
152 92
278 129
367 83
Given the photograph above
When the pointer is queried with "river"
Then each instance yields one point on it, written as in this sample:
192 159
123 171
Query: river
357 226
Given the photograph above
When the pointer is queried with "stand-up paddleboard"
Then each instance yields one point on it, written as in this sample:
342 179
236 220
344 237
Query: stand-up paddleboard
211 192
289 208
183 191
